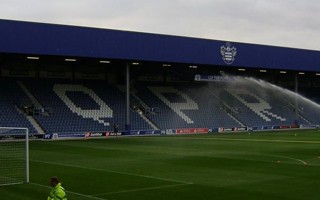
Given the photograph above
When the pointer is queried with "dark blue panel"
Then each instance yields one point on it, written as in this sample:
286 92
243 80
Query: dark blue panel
48 39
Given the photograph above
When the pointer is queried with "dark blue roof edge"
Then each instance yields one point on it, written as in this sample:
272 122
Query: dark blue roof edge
157 34
70 40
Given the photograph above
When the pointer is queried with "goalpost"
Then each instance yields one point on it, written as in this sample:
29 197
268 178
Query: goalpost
14 155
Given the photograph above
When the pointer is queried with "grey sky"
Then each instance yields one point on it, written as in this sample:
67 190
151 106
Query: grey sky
292 23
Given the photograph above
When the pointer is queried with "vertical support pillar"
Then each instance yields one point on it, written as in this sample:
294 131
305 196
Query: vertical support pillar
128 125
296 89
27 156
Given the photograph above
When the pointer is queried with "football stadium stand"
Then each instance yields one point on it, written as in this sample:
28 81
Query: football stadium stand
96 106
41 89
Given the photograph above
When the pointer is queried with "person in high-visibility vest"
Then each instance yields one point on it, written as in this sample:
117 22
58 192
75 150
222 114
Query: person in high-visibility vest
57 192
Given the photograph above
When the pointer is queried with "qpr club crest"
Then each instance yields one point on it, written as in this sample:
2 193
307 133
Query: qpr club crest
228 53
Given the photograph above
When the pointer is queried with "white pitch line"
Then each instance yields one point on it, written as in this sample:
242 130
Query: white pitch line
255 140
10 184
141 189
70 192
290 158
111 171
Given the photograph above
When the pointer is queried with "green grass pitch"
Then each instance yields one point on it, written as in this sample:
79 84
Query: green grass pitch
264 166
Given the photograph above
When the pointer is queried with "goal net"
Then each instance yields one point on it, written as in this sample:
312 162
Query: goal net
14 156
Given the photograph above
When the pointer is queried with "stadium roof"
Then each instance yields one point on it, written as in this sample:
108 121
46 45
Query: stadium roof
61 40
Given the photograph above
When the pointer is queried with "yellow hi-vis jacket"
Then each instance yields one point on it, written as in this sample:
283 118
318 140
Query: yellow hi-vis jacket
57 193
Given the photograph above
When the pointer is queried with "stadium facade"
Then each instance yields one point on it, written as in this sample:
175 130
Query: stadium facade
59 40
169 106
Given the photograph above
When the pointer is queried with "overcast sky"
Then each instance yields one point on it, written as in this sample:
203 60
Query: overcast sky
293 23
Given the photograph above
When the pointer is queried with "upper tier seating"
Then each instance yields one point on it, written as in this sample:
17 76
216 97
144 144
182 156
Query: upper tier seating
78 107
11 98
95 106
219 105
